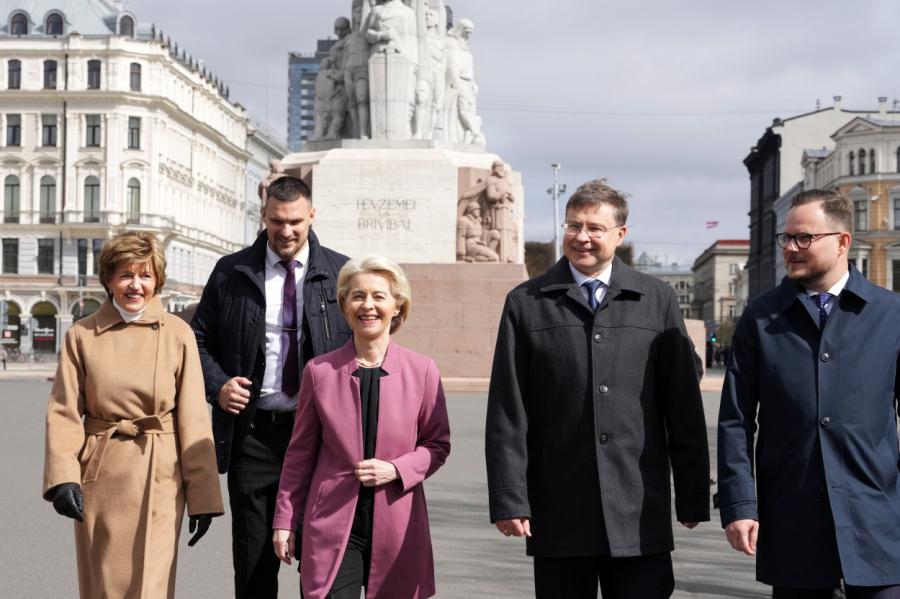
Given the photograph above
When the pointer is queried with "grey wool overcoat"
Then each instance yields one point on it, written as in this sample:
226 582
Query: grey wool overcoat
590 412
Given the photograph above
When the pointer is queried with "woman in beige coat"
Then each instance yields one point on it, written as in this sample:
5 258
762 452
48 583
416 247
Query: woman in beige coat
128 433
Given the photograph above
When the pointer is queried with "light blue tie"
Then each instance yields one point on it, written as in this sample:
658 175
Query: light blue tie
592 286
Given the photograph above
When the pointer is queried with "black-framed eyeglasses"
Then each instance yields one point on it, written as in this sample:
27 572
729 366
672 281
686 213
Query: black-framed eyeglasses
803 240
593 231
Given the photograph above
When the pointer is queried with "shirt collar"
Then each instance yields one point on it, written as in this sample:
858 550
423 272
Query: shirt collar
302 256
836 288
125 314
580 277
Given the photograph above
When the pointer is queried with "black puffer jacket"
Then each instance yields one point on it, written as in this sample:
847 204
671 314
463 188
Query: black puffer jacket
230 327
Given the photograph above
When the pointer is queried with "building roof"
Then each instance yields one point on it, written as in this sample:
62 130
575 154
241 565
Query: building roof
731 242
817 153
86 17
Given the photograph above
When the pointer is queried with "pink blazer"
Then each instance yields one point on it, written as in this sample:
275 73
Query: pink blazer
317 481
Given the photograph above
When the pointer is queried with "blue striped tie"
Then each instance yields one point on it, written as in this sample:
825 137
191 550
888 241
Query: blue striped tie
592 286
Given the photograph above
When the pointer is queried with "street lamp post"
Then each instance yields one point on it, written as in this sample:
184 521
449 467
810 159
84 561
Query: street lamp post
556 191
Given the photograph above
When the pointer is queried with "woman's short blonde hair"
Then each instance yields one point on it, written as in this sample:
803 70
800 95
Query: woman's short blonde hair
386 267
132 248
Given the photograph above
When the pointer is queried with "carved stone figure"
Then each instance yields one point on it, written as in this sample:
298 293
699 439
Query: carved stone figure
462 124
391 29
472 241
429 116
275 171
356 72
330 104
499 198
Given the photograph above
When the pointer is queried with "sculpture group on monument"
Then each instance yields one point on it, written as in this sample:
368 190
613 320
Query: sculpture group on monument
398 73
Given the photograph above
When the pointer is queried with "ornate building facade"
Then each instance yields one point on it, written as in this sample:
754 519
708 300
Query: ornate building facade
107 125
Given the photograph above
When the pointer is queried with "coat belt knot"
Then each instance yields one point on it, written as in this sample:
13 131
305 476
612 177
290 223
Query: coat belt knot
145 425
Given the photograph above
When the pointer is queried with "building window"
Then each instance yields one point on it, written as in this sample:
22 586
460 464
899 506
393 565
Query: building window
49 74
126 26
862 162
11 256
14 130
11 199
54 24
872 161
863 265
135 77
134 201
853 157
96 246
92 200
897 214
895 272
46 250
48 130
48 199
19 24
92 129
14 74
82 257
93 81
134 133
861 214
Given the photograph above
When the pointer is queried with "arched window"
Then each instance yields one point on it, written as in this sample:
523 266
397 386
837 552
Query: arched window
862 162
134 201
14 74
872 161
48 199
92 200
135 77
898 159
19 24
11 199
126 26
93 77
49 74
853 159
54 24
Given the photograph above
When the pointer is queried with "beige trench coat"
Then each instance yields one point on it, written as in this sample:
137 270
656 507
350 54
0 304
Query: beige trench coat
128 421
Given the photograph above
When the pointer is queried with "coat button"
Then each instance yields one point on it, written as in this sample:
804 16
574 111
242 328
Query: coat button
825 421
825 357
598 338
155 326
603 389
604 438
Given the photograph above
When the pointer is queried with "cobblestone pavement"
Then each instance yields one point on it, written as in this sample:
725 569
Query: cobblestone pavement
472 559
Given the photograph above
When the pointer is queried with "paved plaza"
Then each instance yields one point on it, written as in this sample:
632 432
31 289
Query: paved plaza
472 559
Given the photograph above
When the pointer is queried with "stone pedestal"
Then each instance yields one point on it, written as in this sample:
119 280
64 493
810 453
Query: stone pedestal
392 81
400 200
456 312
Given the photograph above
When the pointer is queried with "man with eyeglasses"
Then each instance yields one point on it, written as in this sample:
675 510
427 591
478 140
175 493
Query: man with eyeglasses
593 396
813 380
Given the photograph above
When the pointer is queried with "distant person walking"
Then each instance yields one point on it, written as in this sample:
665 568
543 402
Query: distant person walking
808 457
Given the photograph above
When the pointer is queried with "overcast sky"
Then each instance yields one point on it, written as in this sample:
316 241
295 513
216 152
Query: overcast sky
663 98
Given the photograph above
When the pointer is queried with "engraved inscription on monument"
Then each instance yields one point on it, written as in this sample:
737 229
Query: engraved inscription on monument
384 215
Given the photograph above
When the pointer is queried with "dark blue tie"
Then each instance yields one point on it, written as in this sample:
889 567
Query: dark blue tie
290 376
592 286
821 300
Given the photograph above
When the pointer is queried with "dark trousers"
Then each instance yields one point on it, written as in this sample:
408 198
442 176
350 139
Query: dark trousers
252 487
646 576
353 573
889 592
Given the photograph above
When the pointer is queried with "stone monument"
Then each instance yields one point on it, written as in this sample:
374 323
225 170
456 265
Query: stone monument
398 166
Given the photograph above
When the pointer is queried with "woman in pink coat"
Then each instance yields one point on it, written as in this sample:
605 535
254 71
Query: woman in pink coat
371 426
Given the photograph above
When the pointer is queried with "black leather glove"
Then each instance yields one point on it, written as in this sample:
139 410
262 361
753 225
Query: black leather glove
68 501
200 523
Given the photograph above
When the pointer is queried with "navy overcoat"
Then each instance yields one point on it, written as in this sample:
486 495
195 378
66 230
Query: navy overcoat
827 487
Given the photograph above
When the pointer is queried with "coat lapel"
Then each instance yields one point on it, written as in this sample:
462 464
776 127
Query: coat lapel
255 266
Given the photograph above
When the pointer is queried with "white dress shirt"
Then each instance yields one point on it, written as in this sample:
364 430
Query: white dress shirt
835 291
603 277
270 395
